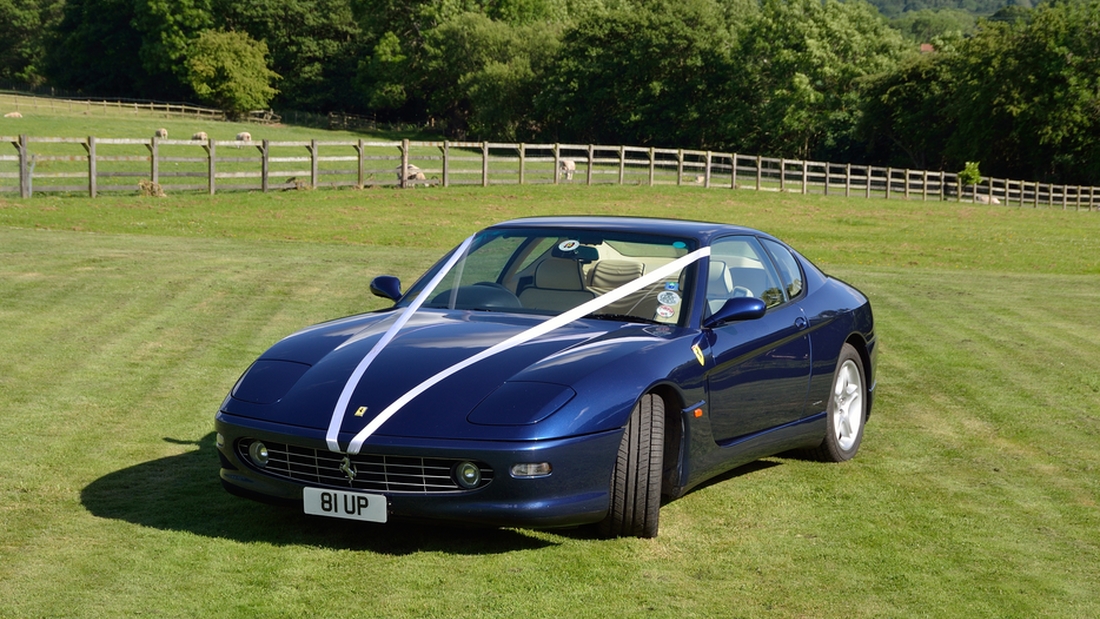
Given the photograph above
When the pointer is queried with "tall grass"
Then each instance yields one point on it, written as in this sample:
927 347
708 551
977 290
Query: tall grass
124 322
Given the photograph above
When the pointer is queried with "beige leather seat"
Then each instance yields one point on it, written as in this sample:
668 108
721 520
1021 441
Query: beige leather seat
608 275
558 286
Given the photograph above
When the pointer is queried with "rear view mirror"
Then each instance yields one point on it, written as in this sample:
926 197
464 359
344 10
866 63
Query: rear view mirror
737 308
387 287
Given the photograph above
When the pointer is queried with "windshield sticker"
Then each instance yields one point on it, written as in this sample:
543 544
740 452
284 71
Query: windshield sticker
665 311
570 245
680 245
672 286
668 298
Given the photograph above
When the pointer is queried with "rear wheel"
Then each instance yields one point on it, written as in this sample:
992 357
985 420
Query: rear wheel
847 410
636 481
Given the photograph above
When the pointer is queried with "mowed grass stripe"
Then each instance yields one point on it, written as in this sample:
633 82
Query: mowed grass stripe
974 493
960 445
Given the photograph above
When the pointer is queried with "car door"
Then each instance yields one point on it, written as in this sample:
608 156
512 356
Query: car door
761 368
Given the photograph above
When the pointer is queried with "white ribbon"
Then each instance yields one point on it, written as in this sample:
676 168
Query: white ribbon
353 381
524 336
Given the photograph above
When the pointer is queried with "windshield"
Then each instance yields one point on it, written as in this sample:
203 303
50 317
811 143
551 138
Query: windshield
549 272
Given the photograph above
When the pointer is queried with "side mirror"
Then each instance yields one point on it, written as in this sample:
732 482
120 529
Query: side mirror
737 308
387 287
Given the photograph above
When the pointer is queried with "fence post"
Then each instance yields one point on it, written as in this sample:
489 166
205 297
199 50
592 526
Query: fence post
733 171
867 176
828 171
759 170
24 167
314 171
210 165
591 163
360 165
557 162
522 153
622 164
782 175
805 176
265 166
889 181
89 146
484 164
847 180
679 167
924 186
404 163
154 163
652 164
446 163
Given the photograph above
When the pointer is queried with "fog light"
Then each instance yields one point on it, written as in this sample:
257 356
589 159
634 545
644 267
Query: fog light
531 469
467 475
258 452
220 441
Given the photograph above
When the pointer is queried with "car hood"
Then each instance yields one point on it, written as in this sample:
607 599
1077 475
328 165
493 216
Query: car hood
299 380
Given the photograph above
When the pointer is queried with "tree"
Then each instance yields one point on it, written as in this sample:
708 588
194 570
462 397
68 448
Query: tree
649 74
313 44
904 119
229 70
480 75
24 27
95 50
167 28
799 65
1027 102
924 25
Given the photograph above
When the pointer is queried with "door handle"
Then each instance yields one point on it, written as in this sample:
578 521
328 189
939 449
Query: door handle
801 323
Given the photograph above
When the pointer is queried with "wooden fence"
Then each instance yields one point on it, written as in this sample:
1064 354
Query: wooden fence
23 102
95 165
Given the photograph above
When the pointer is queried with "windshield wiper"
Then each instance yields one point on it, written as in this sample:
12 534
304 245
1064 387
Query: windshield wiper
624 318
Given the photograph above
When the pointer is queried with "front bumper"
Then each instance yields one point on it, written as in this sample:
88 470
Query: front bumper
574 493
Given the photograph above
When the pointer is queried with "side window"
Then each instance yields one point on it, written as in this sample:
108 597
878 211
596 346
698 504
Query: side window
789 273
740 268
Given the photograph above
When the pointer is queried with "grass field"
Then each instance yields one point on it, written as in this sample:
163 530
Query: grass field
125 321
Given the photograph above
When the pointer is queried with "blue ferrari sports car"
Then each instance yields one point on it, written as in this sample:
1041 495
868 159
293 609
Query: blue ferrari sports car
558 371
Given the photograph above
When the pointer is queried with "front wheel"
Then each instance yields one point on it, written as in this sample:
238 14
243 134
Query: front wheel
636 480
847 409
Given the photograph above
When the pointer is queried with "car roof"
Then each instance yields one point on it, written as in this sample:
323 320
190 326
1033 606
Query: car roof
703 231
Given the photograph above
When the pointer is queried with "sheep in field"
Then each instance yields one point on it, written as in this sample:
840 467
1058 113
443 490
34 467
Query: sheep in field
566 168
161 133
984 199
13 115
244 136
201 135
412 173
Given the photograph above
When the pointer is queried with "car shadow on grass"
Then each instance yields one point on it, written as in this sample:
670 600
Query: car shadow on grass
182 493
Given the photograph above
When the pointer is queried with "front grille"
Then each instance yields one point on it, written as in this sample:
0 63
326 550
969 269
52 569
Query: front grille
378 473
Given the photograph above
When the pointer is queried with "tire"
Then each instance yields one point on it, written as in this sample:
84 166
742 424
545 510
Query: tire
847 410
636 480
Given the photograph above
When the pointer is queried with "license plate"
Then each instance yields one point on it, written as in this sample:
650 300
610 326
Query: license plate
343 504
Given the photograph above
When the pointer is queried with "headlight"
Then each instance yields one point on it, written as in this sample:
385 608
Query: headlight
467 475
258 452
